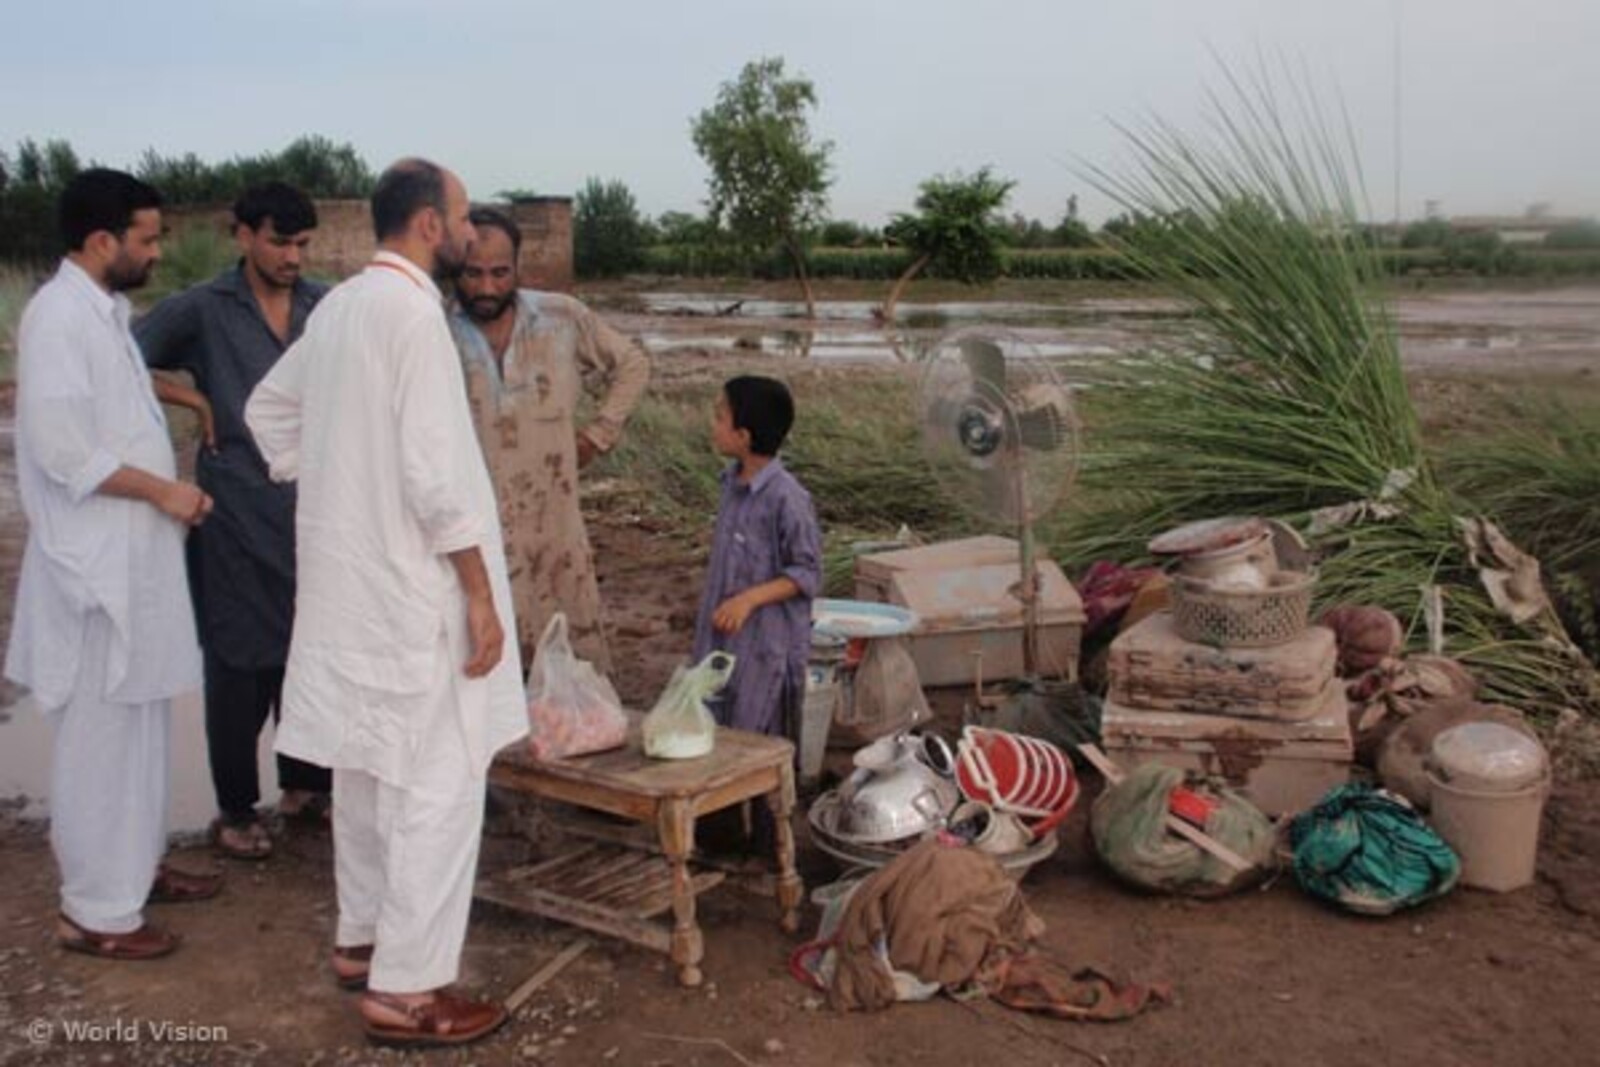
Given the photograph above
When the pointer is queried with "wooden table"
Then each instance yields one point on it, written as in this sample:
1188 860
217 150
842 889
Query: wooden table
617 888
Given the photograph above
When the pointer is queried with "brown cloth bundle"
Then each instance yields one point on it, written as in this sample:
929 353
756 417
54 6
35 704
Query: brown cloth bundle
940 909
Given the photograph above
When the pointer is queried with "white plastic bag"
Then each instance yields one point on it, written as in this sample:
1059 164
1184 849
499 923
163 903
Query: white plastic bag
572 708
680 726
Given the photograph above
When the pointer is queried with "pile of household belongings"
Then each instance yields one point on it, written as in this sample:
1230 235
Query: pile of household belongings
945 917
1400 703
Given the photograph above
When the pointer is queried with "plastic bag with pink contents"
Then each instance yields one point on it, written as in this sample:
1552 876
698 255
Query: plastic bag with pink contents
572 708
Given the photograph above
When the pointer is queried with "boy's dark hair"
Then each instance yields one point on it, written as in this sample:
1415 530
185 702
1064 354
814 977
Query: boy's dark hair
762 406
290 210
490 216
101 199
403 190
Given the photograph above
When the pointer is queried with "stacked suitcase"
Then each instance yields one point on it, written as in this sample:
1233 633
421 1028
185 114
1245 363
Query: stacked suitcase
1273 721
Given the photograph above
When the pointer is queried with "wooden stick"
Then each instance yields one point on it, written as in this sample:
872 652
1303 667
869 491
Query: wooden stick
520 995
1113 774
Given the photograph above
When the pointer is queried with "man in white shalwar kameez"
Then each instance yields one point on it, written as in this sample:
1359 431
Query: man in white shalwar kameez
402 672
103 631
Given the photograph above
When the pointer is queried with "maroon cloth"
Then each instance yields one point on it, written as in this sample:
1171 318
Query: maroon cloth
1107 589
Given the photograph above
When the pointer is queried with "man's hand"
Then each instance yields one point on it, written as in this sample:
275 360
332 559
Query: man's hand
486 635
731 614
169 391
587 452
184 503
208 424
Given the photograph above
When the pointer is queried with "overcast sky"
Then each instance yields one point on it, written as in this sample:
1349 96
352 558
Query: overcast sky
1498 100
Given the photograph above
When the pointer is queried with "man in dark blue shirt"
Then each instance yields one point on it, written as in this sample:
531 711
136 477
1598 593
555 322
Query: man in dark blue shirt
227 333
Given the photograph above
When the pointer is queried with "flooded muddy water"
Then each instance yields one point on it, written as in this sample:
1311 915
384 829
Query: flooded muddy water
1500 331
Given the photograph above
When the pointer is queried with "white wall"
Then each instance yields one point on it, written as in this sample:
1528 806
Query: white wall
26 741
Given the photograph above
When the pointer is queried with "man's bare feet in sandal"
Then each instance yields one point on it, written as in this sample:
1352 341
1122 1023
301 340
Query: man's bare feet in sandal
149 942
350 966
305 807
243 838
420 1020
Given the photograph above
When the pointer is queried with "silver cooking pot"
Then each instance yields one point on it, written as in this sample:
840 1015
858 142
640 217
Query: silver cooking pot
902 786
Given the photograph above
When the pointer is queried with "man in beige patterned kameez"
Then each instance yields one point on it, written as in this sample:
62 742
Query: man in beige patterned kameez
528 356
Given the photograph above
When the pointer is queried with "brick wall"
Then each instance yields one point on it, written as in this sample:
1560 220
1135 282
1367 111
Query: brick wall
344 241
546 225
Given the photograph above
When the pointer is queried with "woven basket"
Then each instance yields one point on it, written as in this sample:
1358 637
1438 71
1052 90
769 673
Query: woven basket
1227 618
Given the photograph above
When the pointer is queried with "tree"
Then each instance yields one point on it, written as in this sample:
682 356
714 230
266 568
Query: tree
1584 233
957 229
769 180
1071 232
607 233
1427 233
842 233
34 179
322 168
314 164
1022 232
682 228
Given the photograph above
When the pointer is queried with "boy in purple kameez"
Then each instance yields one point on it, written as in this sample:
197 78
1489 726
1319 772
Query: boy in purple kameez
766 563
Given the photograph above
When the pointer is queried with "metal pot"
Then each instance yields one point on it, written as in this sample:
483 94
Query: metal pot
1248 565
1232 553
901 788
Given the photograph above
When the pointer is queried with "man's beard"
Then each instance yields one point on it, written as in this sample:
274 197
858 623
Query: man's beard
123 274
448 259
486 308
282 278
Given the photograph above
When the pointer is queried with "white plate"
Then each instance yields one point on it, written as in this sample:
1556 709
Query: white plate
861 618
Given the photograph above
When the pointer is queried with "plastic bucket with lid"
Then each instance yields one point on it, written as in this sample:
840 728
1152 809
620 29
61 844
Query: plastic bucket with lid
1488 784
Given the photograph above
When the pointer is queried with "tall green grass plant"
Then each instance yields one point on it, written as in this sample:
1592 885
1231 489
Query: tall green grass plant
1286 397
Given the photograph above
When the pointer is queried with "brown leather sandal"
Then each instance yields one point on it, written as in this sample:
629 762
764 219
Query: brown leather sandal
173 886
447 1019
146 943
350 966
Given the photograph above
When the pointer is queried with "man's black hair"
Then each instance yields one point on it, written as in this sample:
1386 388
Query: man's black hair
403 190
101 199
763 407
493 216
290 210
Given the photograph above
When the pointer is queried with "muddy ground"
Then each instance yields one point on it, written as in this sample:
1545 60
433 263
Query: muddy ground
1265 977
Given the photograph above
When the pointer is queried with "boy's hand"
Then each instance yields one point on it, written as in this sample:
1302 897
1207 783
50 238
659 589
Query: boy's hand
731 614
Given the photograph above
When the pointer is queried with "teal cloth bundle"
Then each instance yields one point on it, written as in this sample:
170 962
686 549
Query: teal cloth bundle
1369 851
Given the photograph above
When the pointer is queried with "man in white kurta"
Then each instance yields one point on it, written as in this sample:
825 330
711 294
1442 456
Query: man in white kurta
368 411
103 631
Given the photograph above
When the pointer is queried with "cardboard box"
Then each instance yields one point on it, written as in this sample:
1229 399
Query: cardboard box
1282 767
965 596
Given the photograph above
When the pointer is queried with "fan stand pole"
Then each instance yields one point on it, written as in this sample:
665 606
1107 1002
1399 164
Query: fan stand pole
1030 581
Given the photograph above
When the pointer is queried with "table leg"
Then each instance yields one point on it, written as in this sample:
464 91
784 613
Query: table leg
790 889
676 826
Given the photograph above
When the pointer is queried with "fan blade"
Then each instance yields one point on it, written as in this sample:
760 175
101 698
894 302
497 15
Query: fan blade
1045 417
986 361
